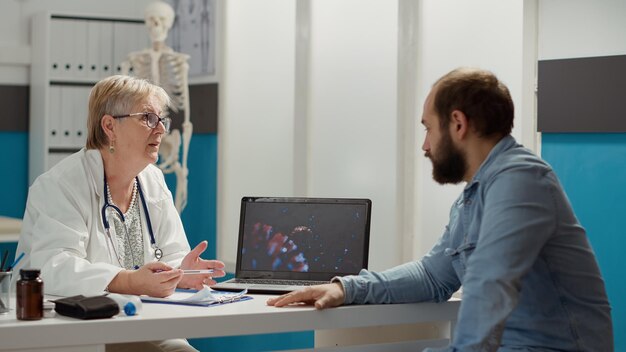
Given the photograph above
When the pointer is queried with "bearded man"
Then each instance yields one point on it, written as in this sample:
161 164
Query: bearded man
530 279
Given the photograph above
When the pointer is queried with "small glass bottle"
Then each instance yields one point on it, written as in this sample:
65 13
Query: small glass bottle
29 292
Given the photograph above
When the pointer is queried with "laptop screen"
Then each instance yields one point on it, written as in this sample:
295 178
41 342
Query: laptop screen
303 238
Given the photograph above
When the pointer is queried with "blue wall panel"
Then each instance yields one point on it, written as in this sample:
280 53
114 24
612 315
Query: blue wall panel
251 343
13 173
592 169
200 215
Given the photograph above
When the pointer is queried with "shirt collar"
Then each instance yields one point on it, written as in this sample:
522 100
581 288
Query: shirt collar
503 145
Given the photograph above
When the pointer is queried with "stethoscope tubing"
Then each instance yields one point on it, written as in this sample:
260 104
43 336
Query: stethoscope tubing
158 253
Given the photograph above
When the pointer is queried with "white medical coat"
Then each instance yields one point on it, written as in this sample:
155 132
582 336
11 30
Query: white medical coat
63 234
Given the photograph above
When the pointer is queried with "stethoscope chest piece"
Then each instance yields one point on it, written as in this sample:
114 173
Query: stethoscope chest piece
158 253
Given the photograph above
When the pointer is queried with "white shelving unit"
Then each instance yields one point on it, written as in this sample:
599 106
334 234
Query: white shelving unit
70 53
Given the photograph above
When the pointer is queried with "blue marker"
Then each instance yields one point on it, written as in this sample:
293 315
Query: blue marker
17 260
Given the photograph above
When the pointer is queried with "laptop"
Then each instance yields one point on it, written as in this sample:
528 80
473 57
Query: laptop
286 244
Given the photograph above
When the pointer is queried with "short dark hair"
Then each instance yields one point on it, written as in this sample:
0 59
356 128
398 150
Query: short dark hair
480 96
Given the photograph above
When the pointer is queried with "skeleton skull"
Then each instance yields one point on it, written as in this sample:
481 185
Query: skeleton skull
159 17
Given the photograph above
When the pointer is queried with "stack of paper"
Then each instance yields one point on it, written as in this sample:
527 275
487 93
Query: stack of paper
204 297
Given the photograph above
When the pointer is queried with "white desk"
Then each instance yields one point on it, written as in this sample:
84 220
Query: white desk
10 229
164 321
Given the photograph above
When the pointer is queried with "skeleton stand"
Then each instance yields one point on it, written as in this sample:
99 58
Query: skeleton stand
169 70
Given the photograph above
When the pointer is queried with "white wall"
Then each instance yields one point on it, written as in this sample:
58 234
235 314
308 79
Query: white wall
346 112
348 61
352 120
580 28
256 109
15 28
483 33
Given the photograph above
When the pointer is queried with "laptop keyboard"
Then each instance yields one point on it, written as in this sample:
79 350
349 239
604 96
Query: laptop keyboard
279 282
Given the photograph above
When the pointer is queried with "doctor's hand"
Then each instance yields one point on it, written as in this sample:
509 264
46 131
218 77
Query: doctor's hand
193 261
322 296
155 279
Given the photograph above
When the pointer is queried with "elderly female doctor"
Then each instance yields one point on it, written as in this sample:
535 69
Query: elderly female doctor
103 219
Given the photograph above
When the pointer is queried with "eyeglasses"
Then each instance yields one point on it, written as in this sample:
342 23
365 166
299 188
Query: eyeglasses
151 119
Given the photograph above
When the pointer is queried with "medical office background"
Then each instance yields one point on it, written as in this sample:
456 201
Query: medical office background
323 98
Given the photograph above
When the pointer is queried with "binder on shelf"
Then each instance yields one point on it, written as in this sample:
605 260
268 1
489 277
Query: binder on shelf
79 126
54 117
58 55
105 48
121 48
64 47
79 59
67 118
93 50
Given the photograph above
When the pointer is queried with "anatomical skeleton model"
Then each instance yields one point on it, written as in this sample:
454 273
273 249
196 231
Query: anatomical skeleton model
168 69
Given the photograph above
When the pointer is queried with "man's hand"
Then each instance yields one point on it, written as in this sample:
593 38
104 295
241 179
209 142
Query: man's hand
154 279
322 296
193 261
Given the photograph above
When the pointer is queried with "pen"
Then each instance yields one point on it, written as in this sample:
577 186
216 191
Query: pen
4 259
206 271
17 260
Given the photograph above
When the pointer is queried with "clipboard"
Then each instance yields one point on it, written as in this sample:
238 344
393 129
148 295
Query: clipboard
203 298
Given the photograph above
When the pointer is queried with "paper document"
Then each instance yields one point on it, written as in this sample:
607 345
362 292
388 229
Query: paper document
204 297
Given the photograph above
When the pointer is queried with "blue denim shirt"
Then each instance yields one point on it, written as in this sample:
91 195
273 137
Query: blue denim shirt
530 278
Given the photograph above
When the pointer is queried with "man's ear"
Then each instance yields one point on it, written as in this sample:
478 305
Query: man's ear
107 122
459 125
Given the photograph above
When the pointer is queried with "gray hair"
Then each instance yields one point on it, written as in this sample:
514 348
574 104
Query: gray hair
116 95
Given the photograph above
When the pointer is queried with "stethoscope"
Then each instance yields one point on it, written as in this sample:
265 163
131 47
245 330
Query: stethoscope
158 253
